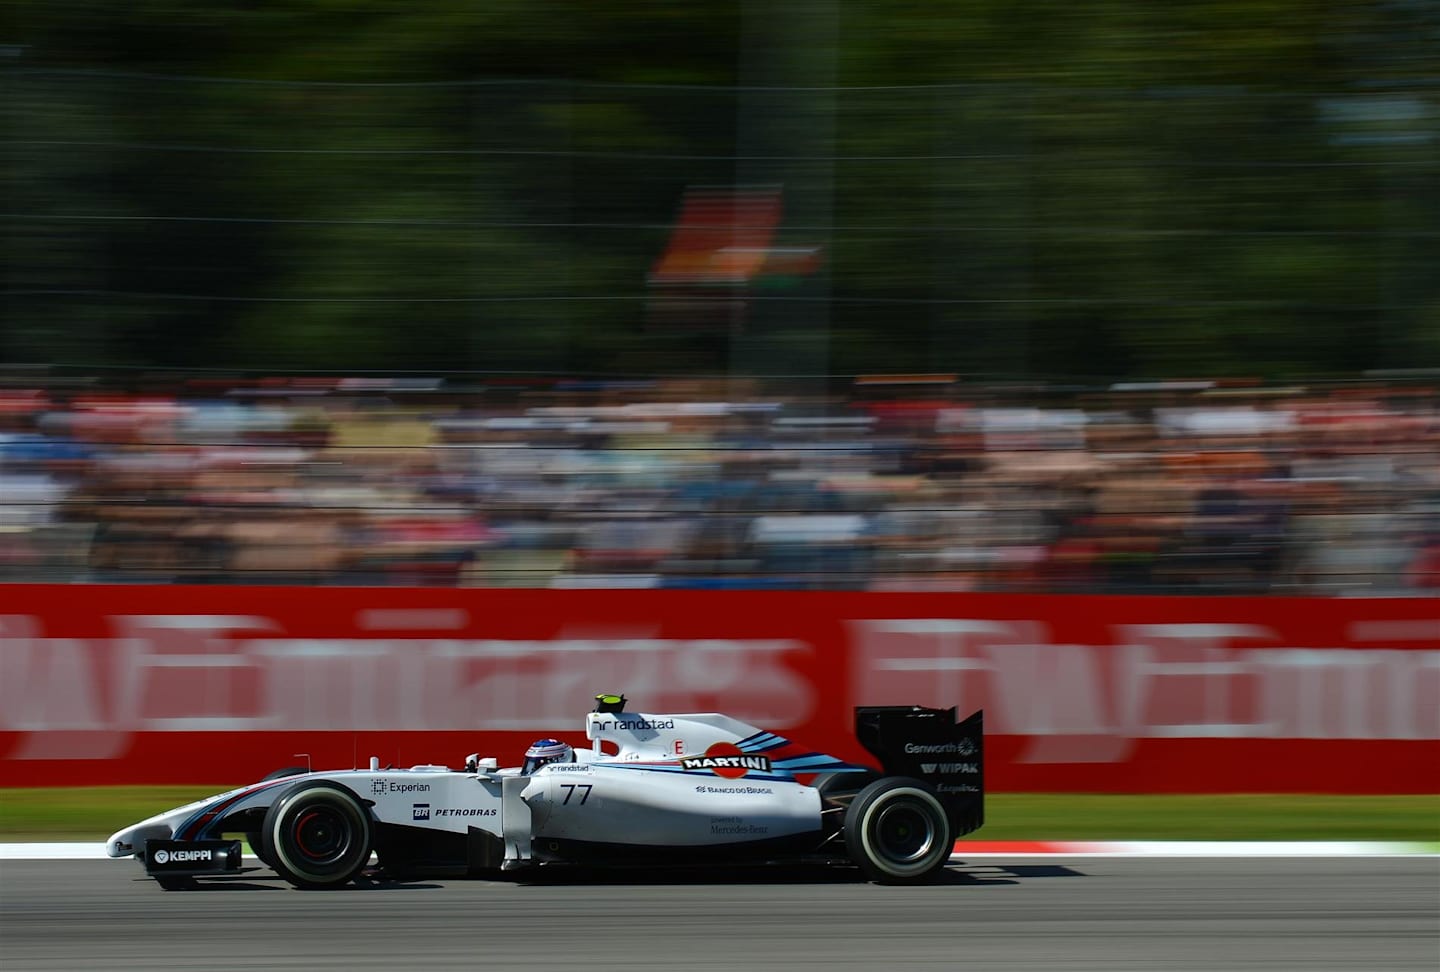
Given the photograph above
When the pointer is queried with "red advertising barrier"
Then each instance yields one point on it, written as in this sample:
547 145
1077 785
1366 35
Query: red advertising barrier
220 685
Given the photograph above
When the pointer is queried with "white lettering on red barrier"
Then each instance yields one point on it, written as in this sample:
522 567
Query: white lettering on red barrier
82 698
78 699
1089 703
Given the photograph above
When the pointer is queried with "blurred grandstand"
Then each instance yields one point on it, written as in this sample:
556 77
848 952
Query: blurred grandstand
1220 192
922 482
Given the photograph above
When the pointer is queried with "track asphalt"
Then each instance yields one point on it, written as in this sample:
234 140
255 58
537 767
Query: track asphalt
1062 913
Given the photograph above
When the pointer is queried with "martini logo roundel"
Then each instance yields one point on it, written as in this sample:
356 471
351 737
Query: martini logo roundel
727 760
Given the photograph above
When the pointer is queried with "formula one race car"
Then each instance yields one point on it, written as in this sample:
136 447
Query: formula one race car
693 788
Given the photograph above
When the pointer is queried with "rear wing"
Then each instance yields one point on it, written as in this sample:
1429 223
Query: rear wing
929 745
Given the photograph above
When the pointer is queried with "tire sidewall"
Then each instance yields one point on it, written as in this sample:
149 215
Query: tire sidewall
276 838
866 810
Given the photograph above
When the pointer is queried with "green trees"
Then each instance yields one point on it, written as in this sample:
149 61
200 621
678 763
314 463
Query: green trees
1107 189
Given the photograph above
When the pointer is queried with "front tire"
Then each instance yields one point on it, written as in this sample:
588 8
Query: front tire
317 835
252 837
897 832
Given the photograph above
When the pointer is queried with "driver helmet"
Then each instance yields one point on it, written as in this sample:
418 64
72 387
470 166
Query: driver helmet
543 752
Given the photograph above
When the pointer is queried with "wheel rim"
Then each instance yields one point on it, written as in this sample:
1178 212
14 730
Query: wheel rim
904 832
321 835
318 836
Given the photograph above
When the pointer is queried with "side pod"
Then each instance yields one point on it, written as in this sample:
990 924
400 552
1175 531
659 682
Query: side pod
929 745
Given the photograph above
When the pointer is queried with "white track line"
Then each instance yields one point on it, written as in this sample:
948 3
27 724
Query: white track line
52 852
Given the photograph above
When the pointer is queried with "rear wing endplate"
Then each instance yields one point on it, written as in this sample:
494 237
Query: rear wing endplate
929 745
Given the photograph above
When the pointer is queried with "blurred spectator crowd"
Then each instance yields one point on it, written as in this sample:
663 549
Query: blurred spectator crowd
925 483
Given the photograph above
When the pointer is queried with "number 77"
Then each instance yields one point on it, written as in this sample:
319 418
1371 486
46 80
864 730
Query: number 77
570 789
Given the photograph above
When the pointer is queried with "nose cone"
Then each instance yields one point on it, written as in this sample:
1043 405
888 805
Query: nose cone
131 840
120 844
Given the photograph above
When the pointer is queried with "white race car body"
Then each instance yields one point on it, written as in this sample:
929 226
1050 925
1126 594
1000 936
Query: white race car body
651 787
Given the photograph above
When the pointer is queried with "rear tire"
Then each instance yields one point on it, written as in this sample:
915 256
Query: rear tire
317 834
897 832
841 789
